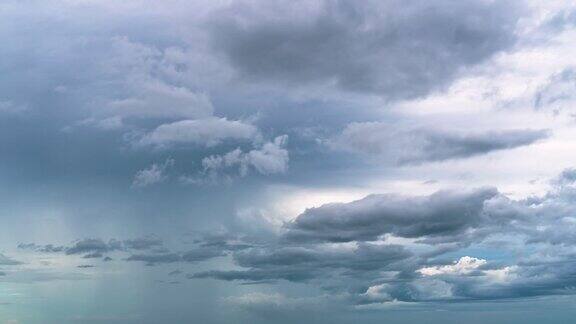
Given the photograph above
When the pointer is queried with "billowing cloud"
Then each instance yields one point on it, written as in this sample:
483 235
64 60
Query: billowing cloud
465 265
396 49
429 105
348 247
270 158
443 213
396 248
302 264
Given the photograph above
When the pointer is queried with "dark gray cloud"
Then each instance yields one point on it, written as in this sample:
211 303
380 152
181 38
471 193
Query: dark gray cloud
327 246
225 241
307 263
97 248
382 249
256 275
205 247
363 257
202 254
85 266
99 96
94 246
410 146
147 249
443 213
442 146
396 49
48 248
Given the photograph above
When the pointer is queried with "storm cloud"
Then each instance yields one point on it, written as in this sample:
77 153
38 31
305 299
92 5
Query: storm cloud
395 49
346 247
251 161
442 213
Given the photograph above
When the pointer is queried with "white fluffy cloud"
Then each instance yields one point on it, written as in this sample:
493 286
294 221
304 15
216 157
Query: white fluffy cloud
271 158
208 132
464 265
267 159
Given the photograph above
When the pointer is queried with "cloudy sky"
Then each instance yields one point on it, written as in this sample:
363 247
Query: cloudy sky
308 161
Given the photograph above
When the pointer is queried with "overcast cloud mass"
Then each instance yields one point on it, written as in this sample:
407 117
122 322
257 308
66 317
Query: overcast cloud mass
308 161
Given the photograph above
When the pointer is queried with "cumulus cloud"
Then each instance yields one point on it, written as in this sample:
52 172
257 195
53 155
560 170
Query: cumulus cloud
208 132
176 79
270 158
396 49
156 173
347 247
93 246
307 263
397 248
464 265
443 213
409 146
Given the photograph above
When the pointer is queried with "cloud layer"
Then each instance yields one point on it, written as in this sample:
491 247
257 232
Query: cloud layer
321 161
391 49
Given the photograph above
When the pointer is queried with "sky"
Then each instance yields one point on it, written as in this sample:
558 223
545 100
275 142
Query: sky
279 162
